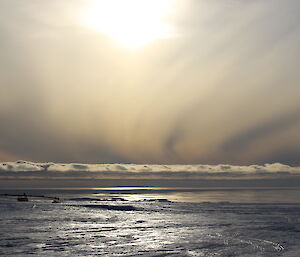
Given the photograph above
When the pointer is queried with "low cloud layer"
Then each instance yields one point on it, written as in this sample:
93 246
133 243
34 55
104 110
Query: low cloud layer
31 170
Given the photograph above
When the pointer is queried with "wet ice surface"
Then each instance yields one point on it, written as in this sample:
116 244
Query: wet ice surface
85 227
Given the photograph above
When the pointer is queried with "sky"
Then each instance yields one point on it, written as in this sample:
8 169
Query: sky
158 82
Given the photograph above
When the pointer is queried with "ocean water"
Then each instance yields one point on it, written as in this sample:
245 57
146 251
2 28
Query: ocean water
151 222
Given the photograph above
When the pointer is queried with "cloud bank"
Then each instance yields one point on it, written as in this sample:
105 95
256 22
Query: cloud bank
32 170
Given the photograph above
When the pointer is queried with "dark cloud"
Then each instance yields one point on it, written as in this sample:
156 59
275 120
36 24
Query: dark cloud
289 155
241 141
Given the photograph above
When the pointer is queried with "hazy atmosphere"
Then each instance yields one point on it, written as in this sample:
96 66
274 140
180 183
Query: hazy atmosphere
146 128
210 82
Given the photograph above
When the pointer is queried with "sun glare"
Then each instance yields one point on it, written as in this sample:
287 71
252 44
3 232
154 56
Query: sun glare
132 23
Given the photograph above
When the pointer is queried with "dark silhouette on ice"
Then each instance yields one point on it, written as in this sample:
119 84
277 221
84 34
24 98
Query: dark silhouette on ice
25 198
22 198
109 207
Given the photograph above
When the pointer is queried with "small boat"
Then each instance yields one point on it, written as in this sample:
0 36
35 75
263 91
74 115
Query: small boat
56 200
23 198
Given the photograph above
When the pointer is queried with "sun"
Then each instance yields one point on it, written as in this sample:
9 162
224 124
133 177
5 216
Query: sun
132 23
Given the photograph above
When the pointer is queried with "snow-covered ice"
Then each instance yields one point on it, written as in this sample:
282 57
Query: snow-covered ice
85 224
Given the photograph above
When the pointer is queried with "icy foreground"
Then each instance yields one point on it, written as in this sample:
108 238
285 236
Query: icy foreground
85 226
